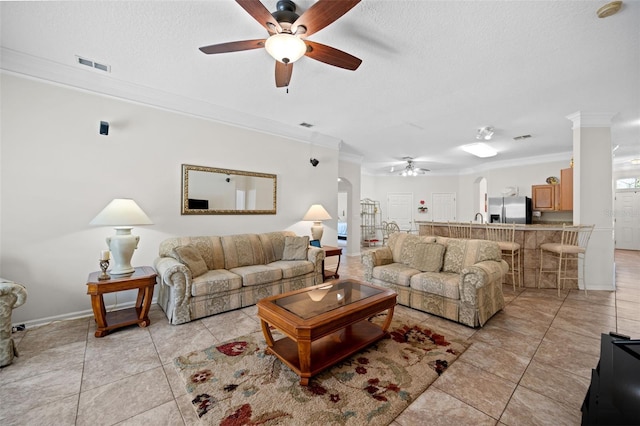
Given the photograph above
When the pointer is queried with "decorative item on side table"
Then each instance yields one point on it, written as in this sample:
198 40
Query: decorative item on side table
422 208
122 214
104 265
317 214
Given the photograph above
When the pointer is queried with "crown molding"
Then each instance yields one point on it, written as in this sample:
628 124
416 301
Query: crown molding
591 119
104 84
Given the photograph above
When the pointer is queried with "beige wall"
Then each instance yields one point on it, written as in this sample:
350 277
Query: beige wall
57 173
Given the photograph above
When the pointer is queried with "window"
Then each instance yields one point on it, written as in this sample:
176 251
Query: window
628 183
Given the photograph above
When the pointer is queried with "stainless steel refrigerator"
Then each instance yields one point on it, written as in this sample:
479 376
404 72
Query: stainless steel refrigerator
510 210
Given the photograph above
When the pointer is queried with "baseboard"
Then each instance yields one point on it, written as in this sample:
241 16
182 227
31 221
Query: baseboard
74 315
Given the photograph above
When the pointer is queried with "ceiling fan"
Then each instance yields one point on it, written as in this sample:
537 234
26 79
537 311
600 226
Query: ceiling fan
287 35
409 169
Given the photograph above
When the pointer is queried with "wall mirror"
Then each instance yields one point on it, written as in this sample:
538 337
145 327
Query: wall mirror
209 190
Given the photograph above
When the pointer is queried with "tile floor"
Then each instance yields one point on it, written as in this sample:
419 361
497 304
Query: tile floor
530 364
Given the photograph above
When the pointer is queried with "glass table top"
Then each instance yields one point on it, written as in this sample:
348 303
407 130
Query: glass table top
326 298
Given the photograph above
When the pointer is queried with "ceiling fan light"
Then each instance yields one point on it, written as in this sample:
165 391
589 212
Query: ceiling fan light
479 149
485 133
285 48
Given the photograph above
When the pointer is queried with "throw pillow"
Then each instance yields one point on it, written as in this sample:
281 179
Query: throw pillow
383 256
428 257
190 256
295 248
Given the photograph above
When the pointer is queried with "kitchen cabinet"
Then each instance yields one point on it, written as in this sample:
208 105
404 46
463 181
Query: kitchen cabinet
566 189
558 197
545 197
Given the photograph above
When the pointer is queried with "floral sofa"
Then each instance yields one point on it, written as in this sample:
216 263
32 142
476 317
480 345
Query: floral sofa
206 275
458 279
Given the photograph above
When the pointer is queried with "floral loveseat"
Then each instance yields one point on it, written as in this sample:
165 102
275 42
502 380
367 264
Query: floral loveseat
202 276
458 279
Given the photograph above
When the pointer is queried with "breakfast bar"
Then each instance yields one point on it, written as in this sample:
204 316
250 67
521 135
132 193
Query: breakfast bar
530 237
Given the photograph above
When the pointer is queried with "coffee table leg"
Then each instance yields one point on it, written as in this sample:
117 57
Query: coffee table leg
304 358
387 322
267 333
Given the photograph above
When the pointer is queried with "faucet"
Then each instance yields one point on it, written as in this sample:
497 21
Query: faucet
475 218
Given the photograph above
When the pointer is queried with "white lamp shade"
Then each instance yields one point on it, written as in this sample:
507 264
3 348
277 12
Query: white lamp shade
285 48
121 212
316 213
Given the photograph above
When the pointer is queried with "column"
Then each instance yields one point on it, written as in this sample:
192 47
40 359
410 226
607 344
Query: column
593 200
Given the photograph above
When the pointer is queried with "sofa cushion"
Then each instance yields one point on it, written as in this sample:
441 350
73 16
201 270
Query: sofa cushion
395 273
273 244
403 245
190 256
216 281
382 256
462 253
445 284
294 268
210 249
428 257
242 250
258 274
295 248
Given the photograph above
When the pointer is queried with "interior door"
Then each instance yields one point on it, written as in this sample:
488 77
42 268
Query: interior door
400 208
443 206
627 225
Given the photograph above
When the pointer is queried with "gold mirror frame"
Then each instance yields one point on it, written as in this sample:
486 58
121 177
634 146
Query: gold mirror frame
205 189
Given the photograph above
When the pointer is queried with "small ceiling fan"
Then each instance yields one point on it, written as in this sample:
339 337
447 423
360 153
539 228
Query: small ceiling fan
409 169
287 35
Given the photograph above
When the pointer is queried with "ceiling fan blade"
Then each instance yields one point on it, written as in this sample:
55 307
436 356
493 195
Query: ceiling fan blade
321 14
261 14
233 46
332 56
283 74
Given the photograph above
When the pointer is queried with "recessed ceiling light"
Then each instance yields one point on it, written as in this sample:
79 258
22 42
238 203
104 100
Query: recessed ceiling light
480 149
635 161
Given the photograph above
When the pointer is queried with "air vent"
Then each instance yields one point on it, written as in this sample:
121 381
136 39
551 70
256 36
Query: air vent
521 137
307 125
93 64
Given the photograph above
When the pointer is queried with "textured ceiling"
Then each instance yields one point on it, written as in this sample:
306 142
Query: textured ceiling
433 72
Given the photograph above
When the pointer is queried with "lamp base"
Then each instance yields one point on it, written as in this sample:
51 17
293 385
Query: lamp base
317 231
122 245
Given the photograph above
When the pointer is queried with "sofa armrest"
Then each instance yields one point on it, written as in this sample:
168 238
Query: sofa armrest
315 255
376 257
177 277
480 275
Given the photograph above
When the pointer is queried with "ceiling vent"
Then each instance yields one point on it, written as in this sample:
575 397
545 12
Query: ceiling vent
521 137
307 125
93 64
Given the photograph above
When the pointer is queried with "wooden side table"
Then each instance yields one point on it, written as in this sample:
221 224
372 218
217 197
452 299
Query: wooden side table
328 252
143 278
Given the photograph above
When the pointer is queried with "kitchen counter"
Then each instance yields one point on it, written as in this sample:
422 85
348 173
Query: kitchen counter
529 236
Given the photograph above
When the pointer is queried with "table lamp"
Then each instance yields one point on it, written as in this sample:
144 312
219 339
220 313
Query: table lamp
122 214
317 214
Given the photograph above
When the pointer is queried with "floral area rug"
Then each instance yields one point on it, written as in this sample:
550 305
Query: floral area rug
237 383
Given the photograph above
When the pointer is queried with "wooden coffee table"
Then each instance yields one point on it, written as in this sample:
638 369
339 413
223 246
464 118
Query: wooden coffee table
324 324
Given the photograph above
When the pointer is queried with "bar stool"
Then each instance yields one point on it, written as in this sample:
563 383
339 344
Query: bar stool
459 230
572 247
505 236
